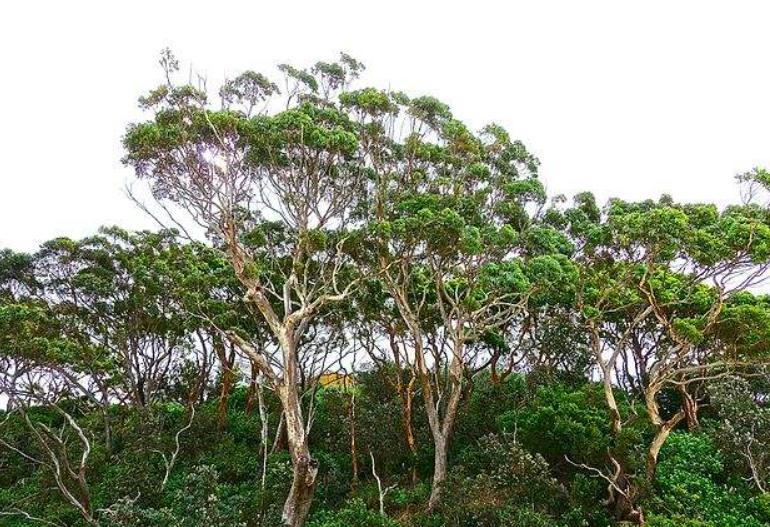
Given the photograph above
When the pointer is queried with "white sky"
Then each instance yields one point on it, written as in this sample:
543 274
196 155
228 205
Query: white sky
626 99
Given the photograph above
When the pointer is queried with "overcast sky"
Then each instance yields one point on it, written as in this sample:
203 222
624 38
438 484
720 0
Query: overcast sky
626 99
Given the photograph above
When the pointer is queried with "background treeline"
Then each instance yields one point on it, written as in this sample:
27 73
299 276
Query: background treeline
389 323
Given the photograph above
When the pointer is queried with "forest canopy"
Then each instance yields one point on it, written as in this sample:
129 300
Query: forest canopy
381 318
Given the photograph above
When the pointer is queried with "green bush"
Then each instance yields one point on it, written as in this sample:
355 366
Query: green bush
691 486
498 483
353 514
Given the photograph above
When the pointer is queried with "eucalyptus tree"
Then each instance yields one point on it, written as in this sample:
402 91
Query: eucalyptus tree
453 236
115 290
252 159
654 293
46 381
17 283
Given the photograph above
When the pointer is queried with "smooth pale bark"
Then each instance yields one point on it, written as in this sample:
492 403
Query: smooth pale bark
663 430
442 430
612 404
305 468
621 490
286 330
251 395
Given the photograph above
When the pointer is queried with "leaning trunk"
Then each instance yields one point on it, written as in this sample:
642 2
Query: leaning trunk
662 433
663 428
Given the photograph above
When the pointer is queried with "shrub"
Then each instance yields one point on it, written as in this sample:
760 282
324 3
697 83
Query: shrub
498 483
353 514
691 487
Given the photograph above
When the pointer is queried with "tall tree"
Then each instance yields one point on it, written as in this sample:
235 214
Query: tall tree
656 282
234 166
452 234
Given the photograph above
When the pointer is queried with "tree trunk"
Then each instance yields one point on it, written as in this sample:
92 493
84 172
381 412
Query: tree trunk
621 491
442 433
622 495
439 471
353 447
252 393
227 384
411 442
406 395
690 407
664 430
612 405
305 468
297 506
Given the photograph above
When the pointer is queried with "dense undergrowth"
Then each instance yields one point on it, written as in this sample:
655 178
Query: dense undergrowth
520 457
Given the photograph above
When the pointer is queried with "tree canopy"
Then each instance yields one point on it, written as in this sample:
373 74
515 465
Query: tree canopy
382 319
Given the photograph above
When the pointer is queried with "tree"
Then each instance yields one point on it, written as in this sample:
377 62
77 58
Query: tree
452 237
655 282
231 169
48 369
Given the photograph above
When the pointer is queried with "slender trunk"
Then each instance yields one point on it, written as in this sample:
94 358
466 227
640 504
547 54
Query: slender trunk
612 405
658 441
305 468
265 427
107 431
442 433
406 417
690 407
441 429
663 429
280 434
621 491
353 448
227 383
406 395
411 442
251 395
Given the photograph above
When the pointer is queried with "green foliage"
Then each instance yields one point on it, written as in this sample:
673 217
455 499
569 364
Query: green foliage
345 223
505 465
563 422
691 484
497 482
202 501
353 514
